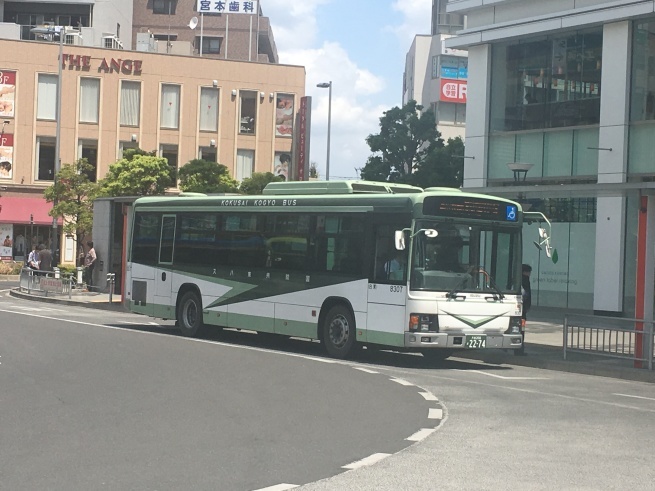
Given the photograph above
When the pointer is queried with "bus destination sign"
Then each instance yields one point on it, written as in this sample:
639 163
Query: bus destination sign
465 207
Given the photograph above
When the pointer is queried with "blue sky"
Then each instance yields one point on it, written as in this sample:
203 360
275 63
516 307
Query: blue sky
360 46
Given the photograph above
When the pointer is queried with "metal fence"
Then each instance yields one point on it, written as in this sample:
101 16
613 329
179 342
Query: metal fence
628 339
47 282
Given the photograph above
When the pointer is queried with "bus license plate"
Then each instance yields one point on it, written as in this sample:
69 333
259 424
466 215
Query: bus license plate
479 341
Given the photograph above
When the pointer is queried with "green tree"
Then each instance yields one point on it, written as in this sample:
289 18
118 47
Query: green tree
257 183
406 139
443 166
138 173
74 193
203 176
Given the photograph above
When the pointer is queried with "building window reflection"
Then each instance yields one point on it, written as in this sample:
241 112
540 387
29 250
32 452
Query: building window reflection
550 83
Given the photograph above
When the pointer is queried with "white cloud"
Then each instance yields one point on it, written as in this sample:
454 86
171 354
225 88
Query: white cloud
354 115
416 15
355 110
294 23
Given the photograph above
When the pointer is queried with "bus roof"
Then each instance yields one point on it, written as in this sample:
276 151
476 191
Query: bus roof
347 197
338 187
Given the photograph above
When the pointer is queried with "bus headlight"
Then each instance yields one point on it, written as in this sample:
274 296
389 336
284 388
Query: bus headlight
514 325
423 323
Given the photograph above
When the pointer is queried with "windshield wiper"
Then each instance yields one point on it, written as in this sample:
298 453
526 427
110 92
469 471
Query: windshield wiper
495 287
453 293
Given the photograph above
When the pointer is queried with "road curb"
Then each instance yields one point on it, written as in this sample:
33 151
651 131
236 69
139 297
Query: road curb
115 306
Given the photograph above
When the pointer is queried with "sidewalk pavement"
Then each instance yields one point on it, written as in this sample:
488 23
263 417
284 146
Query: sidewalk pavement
543 341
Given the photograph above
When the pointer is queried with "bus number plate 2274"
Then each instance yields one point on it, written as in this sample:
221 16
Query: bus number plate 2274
477 341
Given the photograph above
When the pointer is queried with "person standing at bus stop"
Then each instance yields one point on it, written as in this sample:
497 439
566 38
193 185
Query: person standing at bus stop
526 293
90 264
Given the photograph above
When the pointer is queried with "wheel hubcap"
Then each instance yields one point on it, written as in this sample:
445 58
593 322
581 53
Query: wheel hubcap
190 314
339 331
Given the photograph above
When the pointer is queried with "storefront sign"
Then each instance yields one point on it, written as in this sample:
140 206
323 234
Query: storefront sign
227 6
453 91
302 138
7 93
112 65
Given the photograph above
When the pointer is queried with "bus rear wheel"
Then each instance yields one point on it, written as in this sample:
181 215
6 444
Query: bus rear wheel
189 314
339 332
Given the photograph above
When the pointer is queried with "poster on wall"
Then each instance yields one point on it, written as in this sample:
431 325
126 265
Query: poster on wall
7 93
6 242
282 165
284 115
6 156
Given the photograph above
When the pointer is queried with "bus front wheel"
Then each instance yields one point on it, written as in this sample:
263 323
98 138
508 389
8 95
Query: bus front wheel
339 332
189 314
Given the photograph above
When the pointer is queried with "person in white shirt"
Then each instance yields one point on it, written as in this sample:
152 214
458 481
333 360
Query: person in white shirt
33 258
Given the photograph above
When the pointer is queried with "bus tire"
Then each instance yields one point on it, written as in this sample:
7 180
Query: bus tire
339 332
189 314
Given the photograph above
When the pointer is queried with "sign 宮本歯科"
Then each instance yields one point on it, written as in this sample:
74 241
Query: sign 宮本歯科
226 6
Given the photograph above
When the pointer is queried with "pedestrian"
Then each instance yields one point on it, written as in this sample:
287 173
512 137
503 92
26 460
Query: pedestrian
45 259
33 258
526 293
90 263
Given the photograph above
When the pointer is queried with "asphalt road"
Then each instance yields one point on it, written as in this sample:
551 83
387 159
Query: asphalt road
134 406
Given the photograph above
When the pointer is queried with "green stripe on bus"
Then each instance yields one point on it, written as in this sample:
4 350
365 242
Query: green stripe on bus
386 338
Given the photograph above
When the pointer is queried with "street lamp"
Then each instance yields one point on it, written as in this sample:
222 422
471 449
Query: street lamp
62 34
520 170
328 85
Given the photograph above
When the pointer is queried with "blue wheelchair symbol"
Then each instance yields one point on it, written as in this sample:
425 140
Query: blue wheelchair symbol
511 213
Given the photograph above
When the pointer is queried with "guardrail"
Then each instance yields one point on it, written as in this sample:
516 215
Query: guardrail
628 339
47 282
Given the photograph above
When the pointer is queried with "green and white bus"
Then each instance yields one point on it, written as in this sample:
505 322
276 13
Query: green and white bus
349 263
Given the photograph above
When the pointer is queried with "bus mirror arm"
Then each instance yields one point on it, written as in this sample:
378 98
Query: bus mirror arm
399 236
544 234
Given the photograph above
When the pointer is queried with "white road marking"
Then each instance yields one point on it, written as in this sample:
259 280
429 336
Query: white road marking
502 376
421 434
370 460
365 370
38 309
278 487
401 381
635 397
163 334
429 396
435 413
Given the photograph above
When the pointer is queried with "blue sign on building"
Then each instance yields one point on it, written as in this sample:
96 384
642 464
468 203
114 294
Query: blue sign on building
448 72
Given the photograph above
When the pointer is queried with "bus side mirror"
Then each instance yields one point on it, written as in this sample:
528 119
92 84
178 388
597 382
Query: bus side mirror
399 239
544 239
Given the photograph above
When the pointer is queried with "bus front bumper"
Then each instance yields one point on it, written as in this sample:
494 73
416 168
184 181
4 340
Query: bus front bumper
435 340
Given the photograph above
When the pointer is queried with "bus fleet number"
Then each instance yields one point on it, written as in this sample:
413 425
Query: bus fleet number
396 289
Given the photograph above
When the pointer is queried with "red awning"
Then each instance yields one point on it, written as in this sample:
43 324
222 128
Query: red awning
18 210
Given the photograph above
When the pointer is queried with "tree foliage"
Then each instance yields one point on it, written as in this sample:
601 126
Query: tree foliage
257 183
409 149
73 192
138 173
203 176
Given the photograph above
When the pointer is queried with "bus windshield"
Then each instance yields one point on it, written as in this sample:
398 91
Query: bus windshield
466 258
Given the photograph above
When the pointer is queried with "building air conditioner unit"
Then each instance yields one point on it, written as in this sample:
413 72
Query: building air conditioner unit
74 39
